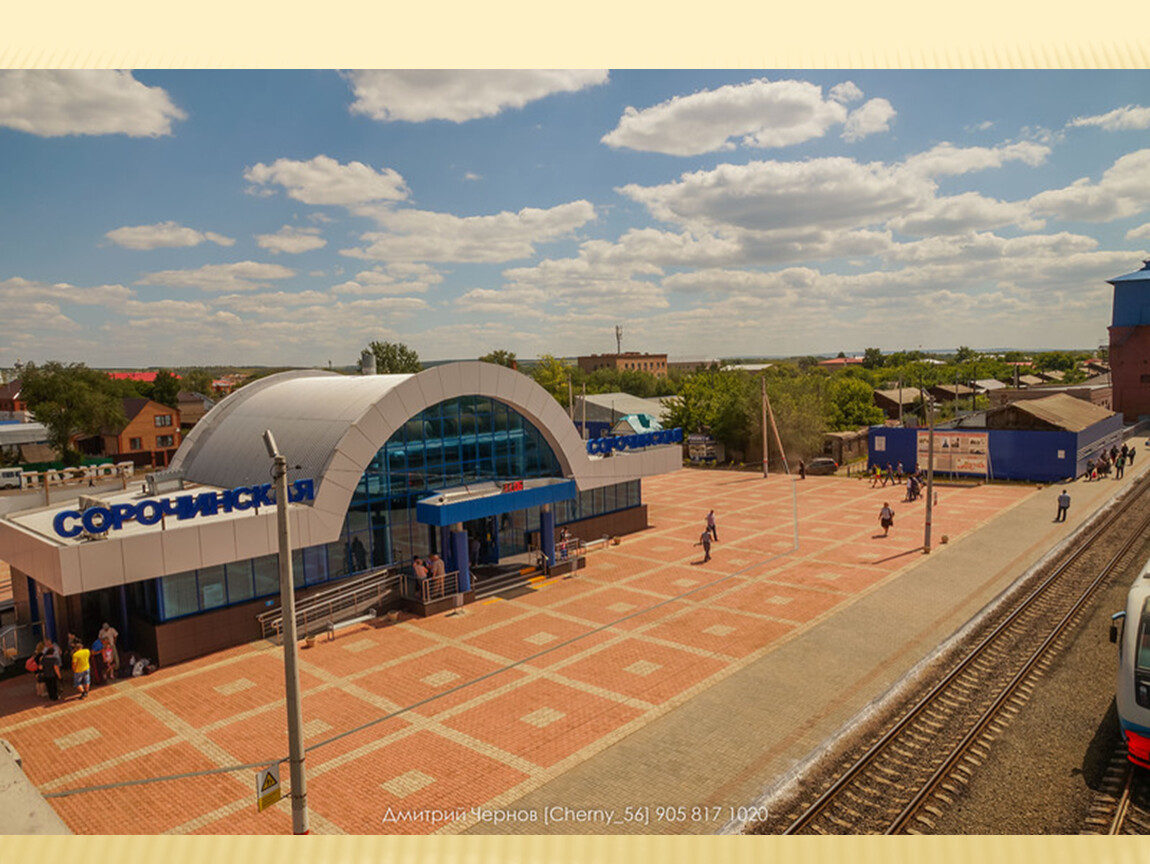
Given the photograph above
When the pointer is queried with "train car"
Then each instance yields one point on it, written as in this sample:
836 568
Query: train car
1131 630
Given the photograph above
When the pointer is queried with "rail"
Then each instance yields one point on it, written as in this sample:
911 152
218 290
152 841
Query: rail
325 609
16 641
908 733
430 589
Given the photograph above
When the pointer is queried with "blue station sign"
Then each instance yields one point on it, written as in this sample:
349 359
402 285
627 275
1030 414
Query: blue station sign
634 442
97 520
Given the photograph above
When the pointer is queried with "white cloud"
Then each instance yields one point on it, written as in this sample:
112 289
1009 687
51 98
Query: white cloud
1129 117
827 193
582 282
848 91
18 289
1124 190
51 103
946 159
762 113
323 180
874 116
471 175
291 240
396 279
458 95
164 235
240 276
961 214
1142 232
420 235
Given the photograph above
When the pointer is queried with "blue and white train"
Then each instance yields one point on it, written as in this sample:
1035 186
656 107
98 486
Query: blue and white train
1131 630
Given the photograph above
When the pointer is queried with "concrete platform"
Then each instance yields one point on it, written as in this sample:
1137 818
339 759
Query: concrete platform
648 680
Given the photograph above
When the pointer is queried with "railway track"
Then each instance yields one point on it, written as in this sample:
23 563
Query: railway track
1122 805
900 781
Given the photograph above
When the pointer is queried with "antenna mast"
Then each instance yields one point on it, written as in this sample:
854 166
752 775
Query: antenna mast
618 338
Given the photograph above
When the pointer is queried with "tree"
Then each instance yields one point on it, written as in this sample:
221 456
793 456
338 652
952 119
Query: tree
551 373
500 357
394 358
850 404
965 354
198 381
166 389
872 358
69 400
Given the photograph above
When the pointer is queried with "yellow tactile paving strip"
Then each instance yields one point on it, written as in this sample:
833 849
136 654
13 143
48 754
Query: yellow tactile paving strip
530 687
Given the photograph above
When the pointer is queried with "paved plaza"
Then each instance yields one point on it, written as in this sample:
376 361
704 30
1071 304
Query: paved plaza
641 679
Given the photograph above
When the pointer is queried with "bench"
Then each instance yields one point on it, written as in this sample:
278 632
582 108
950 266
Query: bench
349 622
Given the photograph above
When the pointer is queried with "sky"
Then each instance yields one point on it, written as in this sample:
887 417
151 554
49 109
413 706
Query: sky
289 218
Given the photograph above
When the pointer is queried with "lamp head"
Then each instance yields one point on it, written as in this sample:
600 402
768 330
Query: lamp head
270 443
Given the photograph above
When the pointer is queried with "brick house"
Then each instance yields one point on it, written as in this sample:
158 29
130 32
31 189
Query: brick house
149 438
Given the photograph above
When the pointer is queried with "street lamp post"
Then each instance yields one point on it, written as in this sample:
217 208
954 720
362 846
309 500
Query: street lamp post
929 480
291 645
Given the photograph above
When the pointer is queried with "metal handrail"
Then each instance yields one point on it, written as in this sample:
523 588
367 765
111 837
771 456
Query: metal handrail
430 589
325 609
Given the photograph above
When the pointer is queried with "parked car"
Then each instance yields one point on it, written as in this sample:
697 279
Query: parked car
822 465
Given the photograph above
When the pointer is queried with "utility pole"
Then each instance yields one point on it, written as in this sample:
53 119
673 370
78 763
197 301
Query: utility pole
764 381
618 338
929 479
299 819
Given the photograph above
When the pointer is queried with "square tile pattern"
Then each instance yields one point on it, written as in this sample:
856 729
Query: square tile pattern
645 626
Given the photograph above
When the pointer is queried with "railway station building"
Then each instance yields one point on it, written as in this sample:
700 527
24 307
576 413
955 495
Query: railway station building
472 461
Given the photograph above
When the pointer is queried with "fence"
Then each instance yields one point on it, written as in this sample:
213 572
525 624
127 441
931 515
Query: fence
430 589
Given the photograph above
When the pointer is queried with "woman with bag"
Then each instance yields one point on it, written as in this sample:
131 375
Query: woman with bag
50 670
32 664
886 518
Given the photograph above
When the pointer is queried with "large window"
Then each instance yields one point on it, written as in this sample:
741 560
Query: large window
467 440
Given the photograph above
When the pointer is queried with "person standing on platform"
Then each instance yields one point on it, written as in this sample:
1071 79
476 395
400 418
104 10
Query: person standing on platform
802 470
1119 466
438 573
1063 506
108 633
50 669
705 542
81 675
886 518
711 526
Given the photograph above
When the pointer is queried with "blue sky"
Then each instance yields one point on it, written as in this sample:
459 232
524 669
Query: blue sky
290 217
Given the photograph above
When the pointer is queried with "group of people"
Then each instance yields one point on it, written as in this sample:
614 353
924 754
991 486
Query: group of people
432 571
891 474
1115 457
710 532
97 663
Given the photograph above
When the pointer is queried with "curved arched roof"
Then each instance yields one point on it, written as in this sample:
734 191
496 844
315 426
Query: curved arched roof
331 425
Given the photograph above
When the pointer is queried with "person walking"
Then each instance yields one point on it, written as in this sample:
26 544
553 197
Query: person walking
711 526
802 470
1119 466
886 518
705 542
1063 506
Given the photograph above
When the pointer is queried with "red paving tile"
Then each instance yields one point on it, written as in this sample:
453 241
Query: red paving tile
405 783
151 808
543 721
720 631
79 734
643 670
434 674
221 691
518 640
764 589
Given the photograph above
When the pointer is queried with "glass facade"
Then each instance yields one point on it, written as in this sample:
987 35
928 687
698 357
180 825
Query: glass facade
471 439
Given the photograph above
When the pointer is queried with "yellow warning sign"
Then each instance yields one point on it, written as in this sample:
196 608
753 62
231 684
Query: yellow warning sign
268 790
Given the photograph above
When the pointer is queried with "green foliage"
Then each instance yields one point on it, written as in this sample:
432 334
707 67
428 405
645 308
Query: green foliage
850 404
394 358
965 354
165 389
872 358
551 373
69 400
720 402
500 357
197 381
